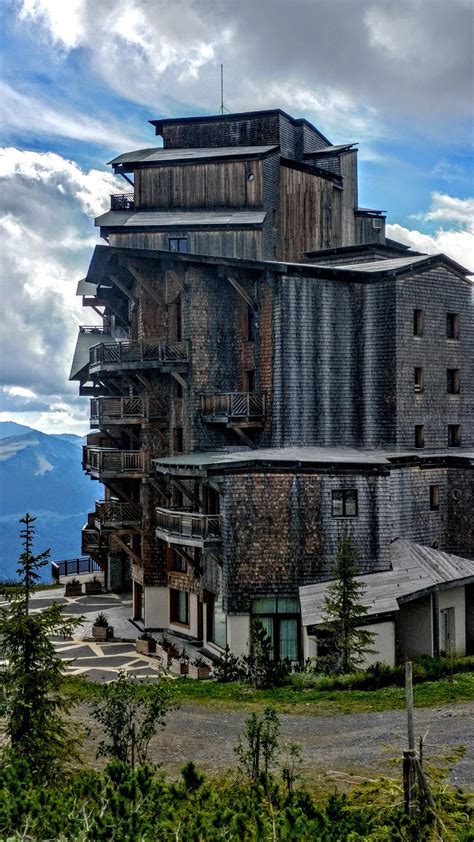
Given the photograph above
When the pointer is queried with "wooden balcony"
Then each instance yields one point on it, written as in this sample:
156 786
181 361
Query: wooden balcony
122 201
127 410
115 515
247 408
138 355
107 462
90 542
188 528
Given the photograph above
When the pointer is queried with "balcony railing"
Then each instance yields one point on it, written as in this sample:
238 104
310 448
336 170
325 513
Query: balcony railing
138 354
90 541
112 514
73 567
127 410
233 405
188 527
101 460
122 201
100 330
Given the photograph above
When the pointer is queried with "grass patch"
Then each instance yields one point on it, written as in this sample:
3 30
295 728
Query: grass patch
12 587
309 702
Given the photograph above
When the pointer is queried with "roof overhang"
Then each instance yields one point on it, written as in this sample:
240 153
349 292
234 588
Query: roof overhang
181 219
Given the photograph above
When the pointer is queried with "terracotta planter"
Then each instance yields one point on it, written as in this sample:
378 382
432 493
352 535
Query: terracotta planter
203 673
146 647
184 669
101 633
73 589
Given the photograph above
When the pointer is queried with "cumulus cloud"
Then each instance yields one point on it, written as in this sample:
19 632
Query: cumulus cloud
455 238
335 55
47 236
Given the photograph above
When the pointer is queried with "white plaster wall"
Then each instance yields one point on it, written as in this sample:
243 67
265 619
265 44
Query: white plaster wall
310 649
383 644
456 598
155 607
238 633
415 628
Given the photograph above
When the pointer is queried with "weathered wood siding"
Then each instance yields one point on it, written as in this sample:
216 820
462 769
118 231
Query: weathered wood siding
349 198
210 186
306 213
227 243
367 231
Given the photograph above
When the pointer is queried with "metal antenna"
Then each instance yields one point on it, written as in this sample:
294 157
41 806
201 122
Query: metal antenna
222 88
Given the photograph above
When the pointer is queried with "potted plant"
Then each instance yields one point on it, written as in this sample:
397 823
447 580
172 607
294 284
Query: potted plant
203 669
73 588
168 647
94 586
145 644
183 659
102 630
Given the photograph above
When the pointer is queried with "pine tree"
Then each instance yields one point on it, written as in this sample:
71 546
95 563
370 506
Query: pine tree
34 708
344 613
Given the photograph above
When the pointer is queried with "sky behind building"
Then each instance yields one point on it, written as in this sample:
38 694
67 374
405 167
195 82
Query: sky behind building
80 80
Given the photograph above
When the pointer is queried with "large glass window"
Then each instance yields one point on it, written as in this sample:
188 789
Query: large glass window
280 617
179 607
216 621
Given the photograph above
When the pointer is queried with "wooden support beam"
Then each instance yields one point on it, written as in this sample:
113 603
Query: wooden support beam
242 292
188 558
143 380
245 439
189 494
158 489
96 309
173 276
118 492
121 286
179 379
133 555
153 293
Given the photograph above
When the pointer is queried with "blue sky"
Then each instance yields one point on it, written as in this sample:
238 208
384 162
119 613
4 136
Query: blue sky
80 80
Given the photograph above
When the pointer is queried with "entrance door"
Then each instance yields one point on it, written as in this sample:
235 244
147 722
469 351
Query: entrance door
447 631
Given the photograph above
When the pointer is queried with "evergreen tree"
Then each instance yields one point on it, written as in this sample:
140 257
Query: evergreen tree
34 708
344 613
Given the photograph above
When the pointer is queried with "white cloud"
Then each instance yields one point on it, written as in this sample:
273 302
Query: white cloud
47 239
63 19
451 209
459 245
57 121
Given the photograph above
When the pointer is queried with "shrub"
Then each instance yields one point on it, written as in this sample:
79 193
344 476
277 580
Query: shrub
101 621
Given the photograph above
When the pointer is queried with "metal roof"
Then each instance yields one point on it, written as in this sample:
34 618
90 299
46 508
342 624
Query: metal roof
85 287
86 339
159 155
181 219
290 455
381 265
330 150
415 569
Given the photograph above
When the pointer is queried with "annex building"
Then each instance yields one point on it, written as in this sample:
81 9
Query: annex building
272 372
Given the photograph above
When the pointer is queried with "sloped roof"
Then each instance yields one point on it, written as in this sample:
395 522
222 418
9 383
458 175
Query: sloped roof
87 338
85 287
178 219
415 570
159 155
330 150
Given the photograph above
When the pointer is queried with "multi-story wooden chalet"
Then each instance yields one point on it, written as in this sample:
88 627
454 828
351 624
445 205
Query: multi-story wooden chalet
273 373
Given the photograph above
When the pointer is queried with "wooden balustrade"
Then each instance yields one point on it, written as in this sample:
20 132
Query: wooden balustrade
122 201
102 460
228 405
152 353
112 512
127 410
186 526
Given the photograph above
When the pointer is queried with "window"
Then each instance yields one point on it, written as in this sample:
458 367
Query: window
178 440
280 617
418 322
344 503
249 380
454 435
434 498
452 325
179 607
453 381
178 563
178 244
419 379
178 320
419 435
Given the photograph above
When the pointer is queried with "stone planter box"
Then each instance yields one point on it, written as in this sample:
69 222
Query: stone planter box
93 588
201 673
101 633
184 669
145 647
72 589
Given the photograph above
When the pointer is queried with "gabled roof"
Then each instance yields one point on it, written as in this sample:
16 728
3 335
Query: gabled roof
180 219
159 155
415 571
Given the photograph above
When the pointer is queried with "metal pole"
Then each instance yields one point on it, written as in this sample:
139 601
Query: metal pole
409 702
222 88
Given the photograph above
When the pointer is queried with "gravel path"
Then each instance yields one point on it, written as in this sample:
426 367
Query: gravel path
353 743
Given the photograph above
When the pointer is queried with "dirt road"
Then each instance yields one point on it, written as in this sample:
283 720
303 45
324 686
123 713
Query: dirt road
354 743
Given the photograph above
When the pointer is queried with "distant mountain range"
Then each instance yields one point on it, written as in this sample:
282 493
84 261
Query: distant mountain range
42 474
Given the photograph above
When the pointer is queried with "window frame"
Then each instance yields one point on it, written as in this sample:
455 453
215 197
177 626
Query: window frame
454 435
175 607
418 323
178 241
434 497
419 436
453 326
419 379
345 492
453 381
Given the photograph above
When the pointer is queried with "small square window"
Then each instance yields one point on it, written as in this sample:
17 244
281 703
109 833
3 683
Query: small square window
344 503
434 498
419 435
178 244
179 607
453 381
454 435
418 322
452 325
419 379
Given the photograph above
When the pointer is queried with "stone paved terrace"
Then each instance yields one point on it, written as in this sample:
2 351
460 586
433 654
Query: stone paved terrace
102 661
